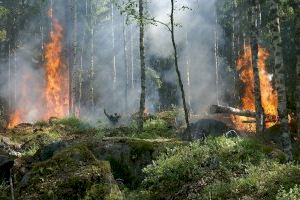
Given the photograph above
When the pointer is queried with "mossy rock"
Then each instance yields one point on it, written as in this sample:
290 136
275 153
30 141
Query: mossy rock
128 156
73 173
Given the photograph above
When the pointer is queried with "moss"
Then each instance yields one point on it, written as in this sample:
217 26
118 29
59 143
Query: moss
104 191
69 174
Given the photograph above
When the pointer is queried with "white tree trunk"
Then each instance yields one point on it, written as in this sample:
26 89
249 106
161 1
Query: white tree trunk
280 79
113 45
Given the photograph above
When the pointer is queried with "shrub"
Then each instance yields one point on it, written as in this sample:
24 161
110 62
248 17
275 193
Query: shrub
219 168
75 124
291 194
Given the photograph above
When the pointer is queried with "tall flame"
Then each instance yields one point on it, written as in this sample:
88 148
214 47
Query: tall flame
268 94
54 100
57 89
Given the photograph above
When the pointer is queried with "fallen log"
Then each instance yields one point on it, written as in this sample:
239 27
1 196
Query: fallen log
254 121
218 109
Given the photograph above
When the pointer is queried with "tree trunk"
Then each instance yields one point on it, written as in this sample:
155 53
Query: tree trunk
217 59
15 77
143 67
131 57
92 71
9 81
126 65
254 50
280 79
186 112
188 77
218 109
113 45
297 43
233 51
74 51
80 75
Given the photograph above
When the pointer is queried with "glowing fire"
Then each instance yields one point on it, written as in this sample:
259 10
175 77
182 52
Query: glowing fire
54 100
57 89
268 94
15 119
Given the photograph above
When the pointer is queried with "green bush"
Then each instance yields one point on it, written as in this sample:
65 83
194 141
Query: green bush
219 168
291 194
75 124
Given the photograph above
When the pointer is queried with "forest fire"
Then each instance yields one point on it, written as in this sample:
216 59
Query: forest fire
56 92
268 94
53 99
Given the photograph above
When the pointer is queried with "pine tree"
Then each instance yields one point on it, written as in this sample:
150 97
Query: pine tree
260 122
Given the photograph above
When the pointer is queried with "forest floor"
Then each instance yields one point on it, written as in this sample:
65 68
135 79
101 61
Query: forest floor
71 159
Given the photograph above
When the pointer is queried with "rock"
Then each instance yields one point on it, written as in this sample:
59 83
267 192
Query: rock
49 150
206 127
73 173
6 164
128 156
9 147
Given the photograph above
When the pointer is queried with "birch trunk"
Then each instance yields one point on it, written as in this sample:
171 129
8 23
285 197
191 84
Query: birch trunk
9 81
143 67
125 64
188 77
260 122
217 59
92 70
280 79
132 57
113 45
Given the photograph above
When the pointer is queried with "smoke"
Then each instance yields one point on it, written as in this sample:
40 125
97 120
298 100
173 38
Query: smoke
96 57
195 38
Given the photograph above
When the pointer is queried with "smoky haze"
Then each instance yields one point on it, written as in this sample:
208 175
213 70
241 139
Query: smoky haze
194 37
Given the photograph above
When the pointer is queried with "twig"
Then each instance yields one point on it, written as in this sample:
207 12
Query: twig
11 185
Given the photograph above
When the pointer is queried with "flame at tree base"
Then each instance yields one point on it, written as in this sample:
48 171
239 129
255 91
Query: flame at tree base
54 97
268 94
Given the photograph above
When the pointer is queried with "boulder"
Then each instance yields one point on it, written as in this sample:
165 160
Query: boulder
6 164
73 173
128 156
206 127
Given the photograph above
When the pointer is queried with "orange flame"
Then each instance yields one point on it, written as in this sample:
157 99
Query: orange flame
54 101
268 94
57 89
15 119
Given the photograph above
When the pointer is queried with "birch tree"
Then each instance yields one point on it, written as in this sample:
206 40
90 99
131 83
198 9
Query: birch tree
279 70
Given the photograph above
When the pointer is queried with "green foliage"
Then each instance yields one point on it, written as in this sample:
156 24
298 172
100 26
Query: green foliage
5 191
219 168
2 35
291 194
75 124
41 123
